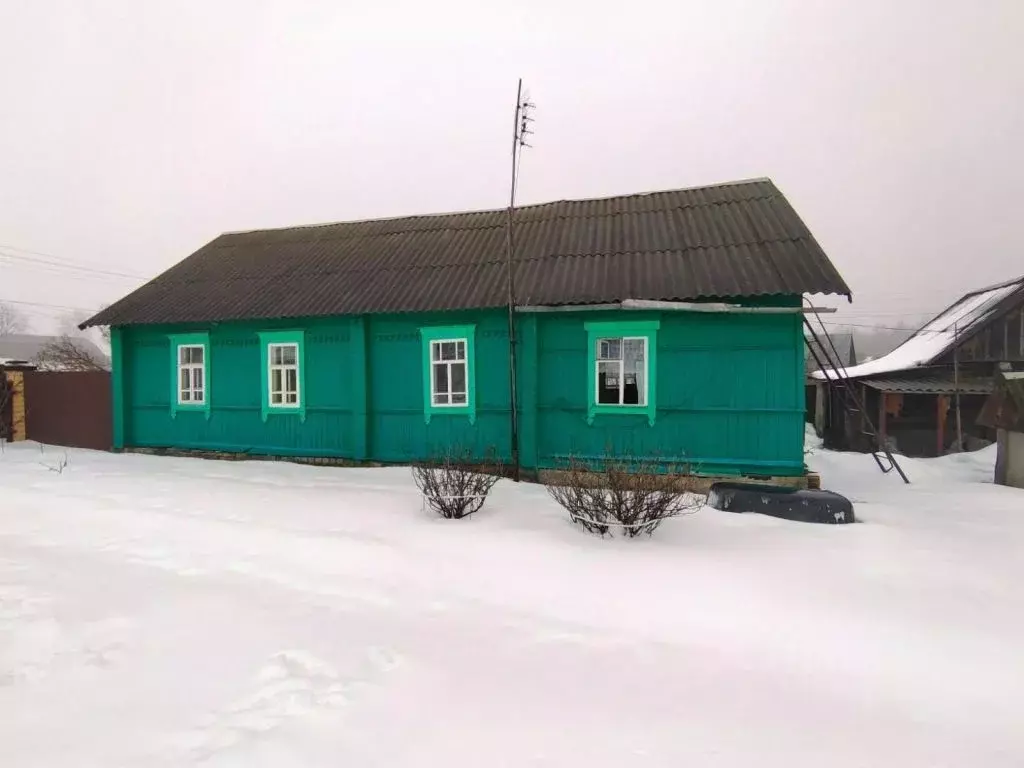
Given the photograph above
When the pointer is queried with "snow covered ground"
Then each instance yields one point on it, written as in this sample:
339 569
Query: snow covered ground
174 612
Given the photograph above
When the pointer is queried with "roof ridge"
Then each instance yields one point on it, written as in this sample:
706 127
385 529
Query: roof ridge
482 211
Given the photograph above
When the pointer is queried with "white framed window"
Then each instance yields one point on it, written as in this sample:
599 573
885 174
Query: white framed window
191 374
283 375
449 373
621 371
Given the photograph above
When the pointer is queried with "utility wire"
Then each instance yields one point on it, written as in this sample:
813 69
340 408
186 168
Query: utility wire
87 270
44 304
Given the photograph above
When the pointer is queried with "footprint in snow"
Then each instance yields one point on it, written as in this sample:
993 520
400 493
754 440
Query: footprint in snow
291 684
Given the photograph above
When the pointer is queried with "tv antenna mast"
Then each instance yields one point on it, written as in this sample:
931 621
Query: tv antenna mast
520 131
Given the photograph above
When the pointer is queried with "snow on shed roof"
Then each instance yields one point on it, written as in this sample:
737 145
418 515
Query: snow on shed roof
939 334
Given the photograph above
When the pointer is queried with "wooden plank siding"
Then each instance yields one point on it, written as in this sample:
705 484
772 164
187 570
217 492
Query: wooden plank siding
730 391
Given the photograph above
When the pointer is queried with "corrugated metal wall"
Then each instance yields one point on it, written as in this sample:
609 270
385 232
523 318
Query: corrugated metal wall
68 408
730 392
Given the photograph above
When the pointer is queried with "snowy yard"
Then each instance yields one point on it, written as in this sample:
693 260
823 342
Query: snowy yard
173 612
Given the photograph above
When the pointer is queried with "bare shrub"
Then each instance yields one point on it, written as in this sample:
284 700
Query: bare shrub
454 485
58 466
628 499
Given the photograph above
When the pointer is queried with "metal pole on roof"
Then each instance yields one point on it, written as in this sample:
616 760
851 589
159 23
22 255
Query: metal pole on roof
520 130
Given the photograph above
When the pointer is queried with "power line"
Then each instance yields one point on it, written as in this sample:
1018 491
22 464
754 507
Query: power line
59 265
19 249
63 274
44 304
35 253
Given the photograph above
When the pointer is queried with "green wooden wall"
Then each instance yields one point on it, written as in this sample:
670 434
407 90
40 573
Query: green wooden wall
729 394
729 389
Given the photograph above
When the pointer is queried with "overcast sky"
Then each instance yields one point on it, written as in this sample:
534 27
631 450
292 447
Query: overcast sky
133 132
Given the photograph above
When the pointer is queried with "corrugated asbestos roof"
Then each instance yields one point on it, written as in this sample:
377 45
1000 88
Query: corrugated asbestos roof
932 385
731 240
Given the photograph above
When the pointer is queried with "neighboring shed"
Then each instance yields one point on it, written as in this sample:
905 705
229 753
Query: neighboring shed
1004 412
663 325
32 348
914 393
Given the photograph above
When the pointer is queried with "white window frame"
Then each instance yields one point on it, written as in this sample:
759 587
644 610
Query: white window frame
191 368
448 364
644 392
283 368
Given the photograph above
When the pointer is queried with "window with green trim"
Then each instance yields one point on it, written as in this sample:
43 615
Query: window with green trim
622 368
282 354
448 368
190 366
448 385
191 374
284 374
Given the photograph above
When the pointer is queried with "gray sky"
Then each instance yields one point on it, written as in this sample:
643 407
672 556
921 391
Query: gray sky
133 132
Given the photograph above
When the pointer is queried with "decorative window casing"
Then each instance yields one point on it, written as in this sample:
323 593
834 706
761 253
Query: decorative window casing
622 368
190 372
448 371
283 373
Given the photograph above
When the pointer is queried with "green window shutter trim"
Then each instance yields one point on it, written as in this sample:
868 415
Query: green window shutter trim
636 328
437 333
199 339
282 337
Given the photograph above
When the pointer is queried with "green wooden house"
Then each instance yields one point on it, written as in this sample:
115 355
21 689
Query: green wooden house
660 325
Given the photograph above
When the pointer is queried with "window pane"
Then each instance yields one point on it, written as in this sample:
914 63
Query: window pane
435 351
291 379
291 398
459 399
197 378
275 398
608 375
609 349
441 378
460 350
182 355
275 380
459 377
198 396
441 399
635 387
197 355
447 350
184 378
186 396
289 354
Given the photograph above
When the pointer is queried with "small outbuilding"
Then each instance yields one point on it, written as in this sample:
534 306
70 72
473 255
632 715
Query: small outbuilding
925 396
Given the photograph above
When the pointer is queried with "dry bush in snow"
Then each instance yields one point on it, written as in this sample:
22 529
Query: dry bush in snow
455 485
627 499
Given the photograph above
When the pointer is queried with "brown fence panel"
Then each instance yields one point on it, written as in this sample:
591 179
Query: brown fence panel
69 408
